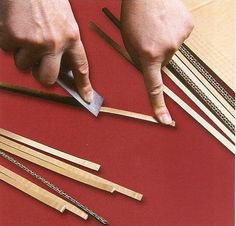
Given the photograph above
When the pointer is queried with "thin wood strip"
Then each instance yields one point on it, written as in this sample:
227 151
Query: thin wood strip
39 193
204 89
221 87
132 115
200 105
187 81
71 101
196 42
64 168
174 97
201 120
40 197
53 165
54 188
196 73
49 150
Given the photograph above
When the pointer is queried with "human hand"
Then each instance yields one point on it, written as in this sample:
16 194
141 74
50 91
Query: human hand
152 31
43 34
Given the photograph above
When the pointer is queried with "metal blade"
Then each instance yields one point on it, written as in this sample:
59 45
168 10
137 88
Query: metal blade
66 82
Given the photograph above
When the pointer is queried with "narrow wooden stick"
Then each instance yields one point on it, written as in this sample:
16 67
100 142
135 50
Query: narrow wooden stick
64 168
204 88
201 121
49 150
224 129
39 193
132 115
71 101
109 14
54 188
52 164
207 83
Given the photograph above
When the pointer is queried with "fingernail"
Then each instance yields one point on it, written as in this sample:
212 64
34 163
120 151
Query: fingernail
89 97
166 119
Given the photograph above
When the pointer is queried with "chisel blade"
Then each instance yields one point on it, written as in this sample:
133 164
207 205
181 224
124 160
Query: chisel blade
66 81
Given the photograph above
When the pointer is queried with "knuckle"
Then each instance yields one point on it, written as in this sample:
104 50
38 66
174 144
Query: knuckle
156 89
52 41
47 80
37 39
74 34
172 46
148 51
190 21
83 68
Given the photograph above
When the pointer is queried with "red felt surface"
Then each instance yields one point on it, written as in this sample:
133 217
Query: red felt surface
186 176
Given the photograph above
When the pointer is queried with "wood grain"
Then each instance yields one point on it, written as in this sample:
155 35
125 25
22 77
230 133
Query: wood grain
71 101
39 193
213 38
210 115
64 168
49 150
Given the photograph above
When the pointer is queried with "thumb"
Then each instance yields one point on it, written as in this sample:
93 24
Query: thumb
154 85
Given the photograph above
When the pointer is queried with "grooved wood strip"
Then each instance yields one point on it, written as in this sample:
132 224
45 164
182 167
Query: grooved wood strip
201 78
204 89
200 105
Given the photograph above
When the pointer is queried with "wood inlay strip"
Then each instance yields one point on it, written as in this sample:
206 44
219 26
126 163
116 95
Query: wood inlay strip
49 150
39 193
64 168
70 101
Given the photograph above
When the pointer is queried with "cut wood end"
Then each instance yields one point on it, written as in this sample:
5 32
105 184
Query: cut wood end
139 197
84 216
93 166
62 209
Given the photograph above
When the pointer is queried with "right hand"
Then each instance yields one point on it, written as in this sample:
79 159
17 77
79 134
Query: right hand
152 31
41 34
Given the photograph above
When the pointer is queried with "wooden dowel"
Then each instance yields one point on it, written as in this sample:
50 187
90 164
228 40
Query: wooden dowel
64 168
49 150
39 193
